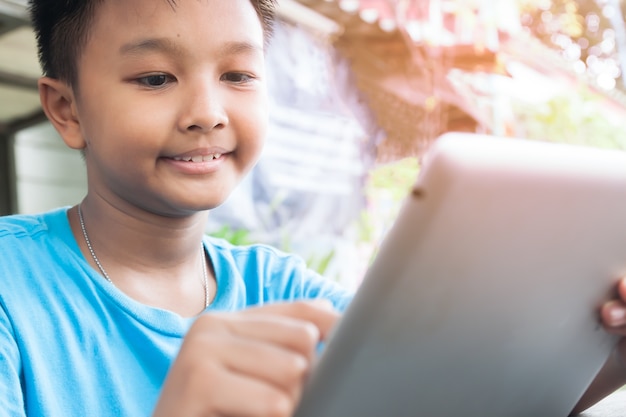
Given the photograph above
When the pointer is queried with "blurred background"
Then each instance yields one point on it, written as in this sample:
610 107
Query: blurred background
359 90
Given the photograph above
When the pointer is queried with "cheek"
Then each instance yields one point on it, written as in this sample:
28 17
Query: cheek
120 140
132 127
261 136
263 125
254 126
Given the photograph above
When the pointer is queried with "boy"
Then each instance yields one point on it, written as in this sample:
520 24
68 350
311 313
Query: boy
166 100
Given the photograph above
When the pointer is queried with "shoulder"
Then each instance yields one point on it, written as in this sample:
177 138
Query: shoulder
29 225
21 226
34 255
257 250
270 274
26 237
260 255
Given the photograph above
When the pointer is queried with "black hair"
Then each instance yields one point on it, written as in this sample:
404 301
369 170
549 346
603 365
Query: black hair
62 30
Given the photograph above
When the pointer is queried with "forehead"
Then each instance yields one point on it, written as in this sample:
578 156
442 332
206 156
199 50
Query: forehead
204 22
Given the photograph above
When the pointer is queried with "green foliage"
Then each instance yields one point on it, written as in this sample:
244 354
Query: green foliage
583 31
318 262
386 188
547 17
321 262
239 237
242 237
394 179
580 118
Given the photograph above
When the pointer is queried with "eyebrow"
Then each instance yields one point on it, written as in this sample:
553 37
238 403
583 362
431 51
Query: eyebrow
166 46
144 46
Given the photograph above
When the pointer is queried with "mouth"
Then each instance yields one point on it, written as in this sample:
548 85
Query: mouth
198 158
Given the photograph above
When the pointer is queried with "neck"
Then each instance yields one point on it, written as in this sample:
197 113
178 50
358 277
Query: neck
132 236
158 261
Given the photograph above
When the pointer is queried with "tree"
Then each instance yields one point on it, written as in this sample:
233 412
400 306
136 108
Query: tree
588 33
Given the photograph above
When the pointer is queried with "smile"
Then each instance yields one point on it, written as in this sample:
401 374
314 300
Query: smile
198 158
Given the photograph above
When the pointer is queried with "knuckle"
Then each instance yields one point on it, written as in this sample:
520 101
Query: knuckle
315 305
308 306
276 404
296 367
214 324
203 373
309 334
207 370
210 321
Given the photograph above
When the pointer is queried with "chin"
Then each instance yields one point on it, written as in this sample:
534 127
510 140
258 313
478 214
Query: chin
209 205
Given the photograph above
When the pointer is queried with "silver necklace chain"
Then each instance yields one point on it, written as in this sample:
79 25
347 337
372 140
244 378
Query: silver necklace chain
205 274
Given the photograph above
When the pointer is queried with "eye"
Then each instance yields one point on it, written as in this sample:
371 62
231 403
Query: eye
155 80
237 77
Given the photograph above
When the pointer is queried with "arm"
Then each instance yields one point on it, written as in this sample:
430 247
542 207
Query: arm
11 397
250 363
612 376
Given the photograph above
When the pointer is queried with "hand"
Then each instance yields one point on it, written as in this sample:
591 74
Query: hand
249 363
613 315
613 374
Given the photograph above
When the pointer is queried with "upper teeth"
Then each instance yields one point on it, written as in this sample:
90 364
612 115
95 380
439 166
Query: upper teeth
198 158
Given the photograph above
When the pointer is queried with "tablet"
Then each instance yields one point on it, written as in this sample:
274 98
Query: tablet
484 297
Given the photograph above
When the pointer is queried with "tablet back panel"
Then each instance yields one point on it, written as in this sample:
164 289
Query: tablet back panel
483 299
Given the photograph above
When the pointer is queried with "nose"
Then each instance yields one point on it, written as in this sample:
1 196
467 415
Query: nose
203 110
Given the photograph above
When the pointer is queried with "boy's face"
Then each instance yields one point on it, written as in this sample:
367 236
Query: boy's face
160 85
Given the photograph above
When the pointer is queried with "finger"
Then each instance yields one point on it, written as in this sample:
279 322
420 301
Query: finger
207 359
282 368
240 396
319 312
212 390
613 314
621 288
292 334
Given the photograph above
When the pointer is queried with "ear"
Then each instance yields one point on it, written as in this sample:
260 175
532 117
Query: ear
59 105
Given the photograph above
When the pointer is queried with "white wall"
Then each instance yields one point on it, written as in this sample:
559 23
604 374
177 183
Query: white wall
48 173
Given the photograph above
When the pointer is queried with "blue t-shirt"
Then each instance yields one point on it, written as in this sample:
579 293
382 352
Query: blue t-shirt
72 344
